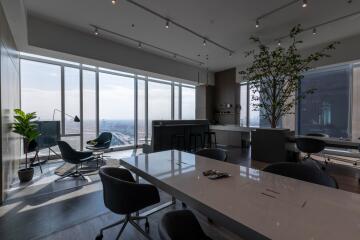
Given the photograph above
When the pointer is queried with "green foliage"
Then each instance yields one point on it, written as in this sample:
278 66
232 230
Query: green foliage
276 75
23 125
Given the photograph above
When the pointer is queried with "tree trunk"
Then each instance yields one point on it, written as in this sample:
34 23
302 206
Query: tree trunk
273 122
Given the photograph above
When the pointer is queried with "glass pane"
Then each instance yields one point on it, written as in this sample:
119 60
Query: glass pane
176 102
254 115
141 112
74 141
188 103
327 109
72 100
116 108
243 104
89 106
41 89
159 101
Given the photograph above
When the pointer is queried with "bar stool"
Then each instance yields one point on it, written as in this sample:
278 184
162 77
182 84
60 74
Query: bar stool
208 136
193 141
178 141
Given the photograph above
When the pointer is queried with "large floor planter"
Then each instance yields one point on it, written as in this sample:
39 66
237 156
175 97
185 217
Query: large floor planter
26 174
270 145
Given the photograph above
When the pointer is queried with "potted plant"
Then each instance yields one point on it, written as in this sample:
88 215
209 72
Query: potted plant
24 126
274 77
275 74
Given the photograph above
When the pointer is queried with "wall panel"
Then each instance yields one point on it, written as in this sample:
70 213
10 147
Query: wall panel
10 99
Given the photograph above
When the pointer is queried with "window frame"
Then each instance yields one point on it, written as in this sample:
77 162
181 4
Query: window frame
84 67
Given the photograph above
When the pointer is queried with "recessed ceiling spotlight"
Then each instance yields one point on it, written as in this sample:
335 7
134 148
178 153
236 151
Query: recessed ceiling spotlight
140 45
314 32
113 2
257 24
204 42
304 3
96 31
279 42
167 24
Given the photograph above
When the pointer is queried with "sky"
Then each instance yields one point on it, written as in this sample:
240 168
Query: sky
41 92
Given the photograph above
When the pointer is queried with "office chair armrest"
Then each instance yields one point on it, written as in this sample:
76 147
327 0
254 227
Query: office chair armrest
146 195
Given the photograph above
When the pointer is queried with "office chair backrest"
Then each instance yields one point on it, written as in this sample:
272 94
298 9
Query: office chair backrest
67 152
179 225
104 140
213 153
317 135
122 195
310 145
301 172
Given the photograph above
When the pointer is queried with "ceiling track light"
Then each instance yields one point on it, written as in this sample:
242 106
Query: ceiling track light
167 24
140 44
304 3
178 25
204 42
113 2
314 31
96 32
257 23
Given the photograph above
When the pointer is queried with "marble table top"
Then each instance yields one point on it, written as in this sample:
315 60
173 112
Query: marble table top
268 205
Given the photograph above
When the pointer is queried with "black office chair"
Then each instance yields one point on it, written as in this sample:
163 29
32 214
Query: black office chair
302 172
214 153
317 135
310 146
181 225
102 142
122 195
72 156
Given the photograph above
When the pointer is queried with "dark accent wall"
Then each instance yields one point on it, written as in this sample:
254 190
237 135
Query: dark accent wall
10 99
204 102
226 100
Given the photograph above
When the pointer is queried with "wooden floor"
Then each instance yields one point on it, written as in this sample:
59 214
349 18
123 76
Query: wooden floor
79 212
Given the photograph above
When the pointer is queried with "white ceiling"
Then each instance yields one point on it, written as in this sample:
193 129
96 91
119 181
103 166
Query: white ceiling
228 22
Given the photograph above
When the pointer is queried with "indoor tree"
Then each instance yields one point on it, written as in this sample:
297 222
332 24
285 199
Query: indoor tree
276 73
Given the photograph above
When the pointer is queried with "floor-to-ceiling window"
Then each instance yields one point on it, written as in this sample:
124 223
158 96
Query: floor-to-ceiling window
141 108
188 102
116 108
244 105
89 106
71 106
41 89
327 110
101 99
254 113
159 102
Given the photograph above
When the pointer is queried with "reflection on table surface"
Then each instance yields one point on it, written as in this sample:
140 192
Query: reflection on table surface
274 206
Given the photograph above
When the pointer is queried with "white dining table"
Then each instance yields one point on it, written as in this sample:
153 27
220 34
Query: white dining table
252 203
